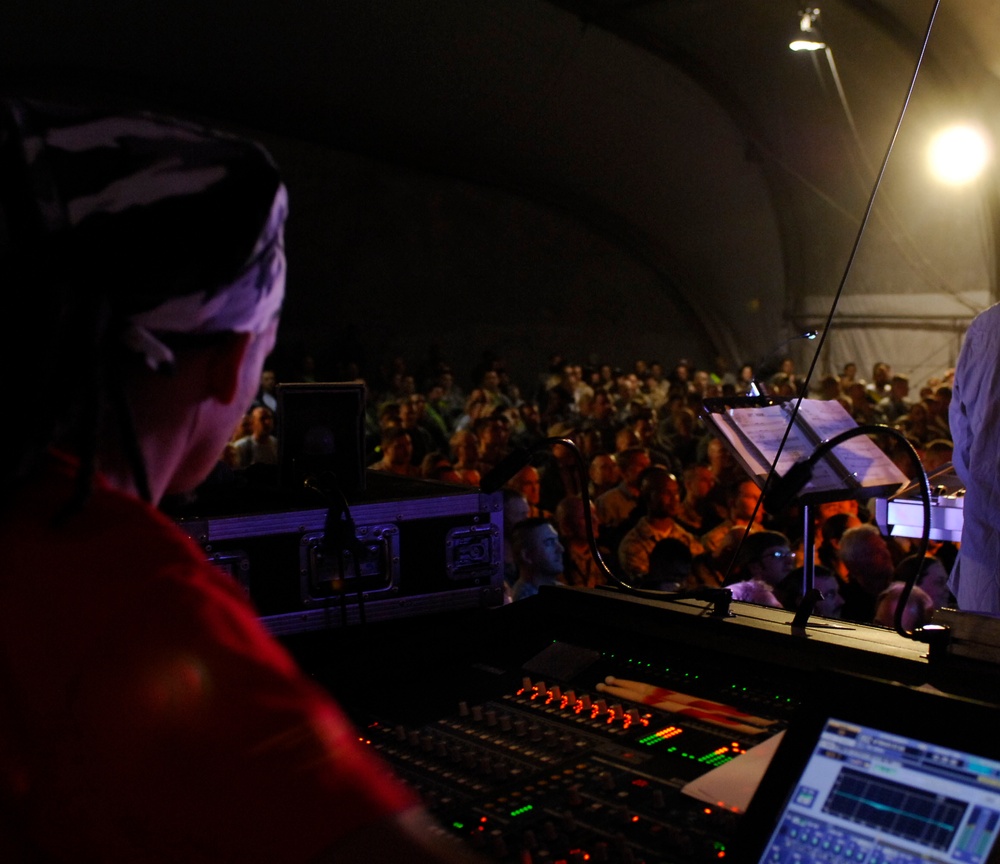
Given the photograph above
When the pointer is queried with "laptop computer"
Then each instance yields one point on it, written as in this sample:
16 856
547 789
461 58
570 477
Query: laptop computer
879 773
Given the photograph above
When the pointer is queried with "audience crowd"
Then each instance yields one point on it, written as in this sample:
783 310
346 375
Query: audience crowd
671 507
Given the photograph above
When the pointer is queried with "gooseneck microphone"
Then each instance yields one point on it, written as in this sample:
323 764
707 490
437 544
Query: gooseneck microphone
781 491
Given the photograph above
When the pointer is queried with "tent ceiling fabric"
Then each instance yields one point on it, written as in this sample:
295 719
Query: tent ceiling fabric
734 172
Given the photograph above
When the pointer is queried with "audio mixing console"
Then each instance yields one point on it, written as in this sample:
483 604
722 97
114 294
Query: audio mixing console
579 728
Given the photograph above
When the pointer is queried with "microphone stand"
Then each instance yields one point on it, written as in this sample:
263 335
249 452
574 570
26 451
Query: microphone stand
757 387
784 489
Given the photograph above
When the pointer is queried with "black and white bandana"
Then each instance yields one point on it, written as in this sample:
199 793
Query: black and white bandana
179 226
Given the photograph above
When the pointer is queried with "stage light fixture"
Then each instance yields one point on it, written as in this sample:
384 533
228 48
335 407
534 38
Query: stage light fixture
807 37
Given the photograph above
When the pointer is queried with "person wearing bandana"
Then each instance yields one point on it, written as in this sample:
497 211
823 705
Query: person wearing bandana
145 712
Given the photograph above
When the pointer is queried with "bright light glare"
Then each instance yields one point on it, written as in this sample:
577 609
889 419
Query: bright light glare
958 155
806 45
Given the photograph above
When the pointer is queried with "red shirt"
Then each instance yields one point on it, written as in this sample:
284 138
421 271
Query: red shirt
146 713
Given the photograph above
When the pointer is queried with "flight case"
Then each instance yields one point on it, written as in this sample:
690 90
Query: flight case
417 546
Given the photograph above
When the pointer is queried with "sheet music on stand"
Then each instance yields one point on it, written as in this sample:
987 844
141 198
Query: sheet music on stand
752 427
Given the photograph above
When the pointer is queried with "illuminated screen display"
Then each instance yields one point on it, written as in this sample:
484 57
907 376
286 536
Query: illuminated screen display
866 795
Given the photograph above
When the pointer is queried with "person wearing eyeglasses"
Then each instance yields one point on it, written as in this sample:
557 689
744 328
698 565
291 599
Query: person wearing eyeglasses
765 556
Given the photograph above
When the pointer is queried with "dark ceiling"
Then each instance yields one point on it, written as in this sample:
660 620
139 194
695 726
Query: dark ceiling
725 173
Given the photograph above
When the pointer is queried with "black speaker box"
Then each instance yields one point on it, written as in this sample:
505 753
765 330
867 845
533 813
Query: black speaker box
321 436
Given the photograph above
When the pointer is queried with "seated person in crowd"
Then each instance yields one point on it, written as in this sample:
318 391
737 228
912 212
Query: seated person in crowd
660 493
528 482
396 452
515 509
762 561
697 514
741 499
865 554
789 591
670 565
933 578
615 505
580 566
918 611
604 475
260 447
538 555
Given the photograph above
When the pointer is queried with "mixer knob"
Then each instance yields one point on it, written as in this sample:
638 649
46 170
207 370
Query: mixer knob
526 683
521 726
470 759
498 843
535 732
555 692
602 706
551 738
477 713
400 732
573 796
505 722
606 780
463 709
414 737
491 717
486 765
585 701
634 715
569 697
624 851
441 748
500 771
427 743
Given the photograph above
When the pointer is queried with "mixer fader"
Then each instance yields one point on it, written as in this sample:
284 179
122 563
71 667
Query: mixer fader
552 770
582 726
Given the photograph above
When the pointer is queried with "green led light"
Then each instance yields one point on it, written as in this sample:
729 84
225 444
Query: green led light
458 825
521 810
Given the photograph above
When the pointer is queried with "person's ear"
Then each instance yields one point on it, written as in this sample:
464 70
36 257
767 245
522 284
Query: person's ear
225 370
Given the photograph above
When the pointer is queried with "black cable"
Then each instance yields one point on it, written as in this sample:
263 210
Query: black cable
339 536
513 462
785 489
824 332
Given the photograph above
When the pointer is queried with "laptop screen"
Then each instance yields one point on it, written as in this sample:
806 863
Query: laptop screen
880 774
868 795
